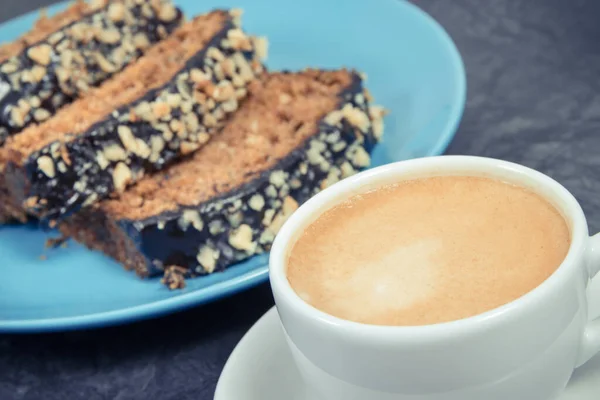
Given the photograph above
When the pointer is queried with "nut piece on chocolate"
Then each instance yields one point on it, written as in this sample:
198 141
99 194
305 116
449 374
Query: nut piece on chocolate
163 107
294 135
63 56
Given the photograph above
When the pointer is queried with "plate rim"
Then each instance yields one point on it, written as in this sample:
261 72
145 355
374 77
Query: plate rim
258 275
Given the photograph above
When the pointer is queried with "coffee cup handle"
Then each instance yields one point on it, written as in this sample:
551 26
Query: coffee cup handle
590 343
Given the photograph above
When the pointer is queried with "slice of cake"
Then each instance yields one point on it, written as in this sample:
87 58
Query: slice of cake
47 68
164 106
295 134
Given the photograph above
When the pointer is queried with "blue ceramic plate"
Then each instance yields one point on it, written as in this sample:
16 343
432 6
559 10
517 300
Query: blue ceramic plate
414 70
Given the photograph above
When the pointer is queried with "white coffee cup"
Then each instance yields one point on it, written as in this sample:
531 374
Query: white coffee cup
524 350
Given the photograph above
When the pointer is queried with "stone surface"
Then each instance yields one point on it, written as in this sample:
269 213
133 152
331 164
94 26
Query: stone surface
533 69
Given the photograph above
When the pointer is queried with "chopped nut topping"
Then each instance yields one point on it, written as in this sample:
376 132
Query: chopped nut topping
215 54
188 147
66 58
190 217
24 106
191 122
270 191
347 169
144 111
261 47
241 239
157 144
239 83
64 154
356 117
256 202
9 67
235 205
230 105
101 160
110 36
127 138
268 217
167 12
41 54
197 76
235 219
179 129
46 165
162 32
41 114
38 73
30 202
82 32
215 227
377 113
207 257
239 40
116 12
277 178
80 185
203 138
246 73
333 176
334 117
121 176
228 67
167 133
92 198
332 137
161 109
361 158
295 183
267 237
131 143
17 117
98 4
224 91
209 120
104 64
378 128
289 205
339 146
240 93
173 100
62 74
314 153
35 102
236 13
140 41
303 168
114 152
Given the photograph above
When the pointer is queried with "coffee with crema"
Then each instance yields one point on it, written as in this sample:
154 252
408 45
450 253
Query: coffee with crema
427 251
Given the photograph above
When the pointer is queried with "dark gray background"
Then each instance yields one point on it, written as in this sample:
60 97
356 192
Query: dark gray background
533 69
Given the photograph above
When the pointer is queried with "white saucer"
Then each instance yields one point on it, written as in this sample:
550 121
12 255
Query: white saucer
261 368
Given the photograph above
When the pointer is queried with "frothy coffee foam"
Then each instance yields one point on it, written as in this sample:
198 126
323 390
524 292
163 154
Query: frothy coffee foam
427 251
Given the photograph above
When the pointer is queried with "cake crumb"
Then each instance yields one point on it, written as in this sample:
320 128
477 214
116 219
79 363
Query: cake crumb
54 243
174 277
